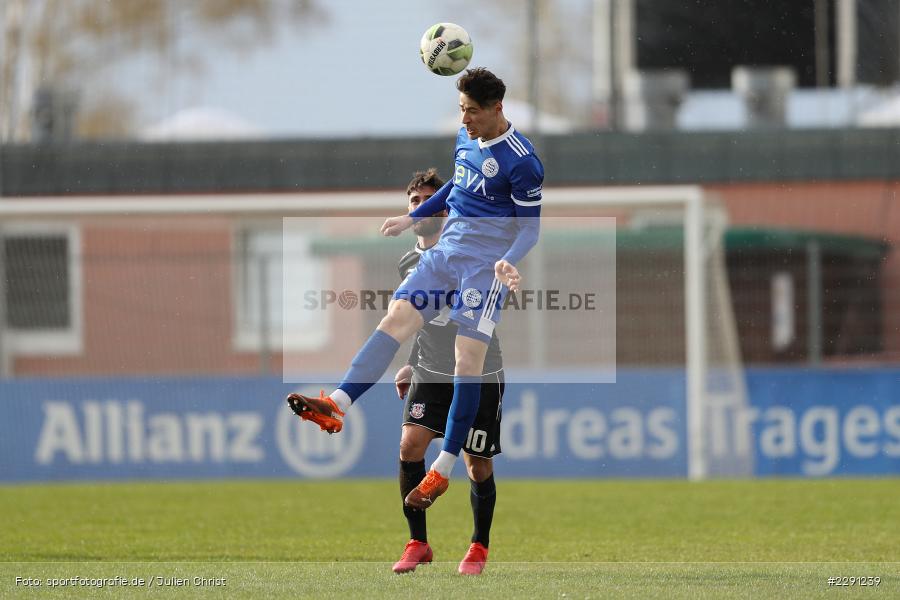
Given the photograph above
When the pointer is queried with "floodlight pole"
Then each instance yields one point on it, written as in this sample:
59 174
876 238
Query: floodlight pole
602 80
846 43
846 32
624 54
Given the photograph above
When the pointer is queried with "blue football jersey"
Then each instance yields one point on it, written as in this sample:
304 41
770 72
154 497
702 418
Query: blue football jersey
494 181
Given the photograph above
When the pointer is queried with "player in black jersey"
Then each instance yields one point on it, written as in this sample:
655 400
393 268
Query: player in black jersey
426 383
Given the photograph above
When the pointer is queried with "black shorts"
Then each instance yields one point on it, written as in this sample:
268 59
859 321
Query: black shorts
428 404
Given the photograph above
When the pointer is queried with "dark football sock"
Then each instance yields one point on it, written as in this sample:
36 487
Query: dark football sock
411 473
483 497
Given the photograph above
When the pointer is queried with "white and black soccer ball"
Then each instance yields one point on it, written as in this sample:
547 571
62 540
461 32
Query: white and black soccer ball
446 49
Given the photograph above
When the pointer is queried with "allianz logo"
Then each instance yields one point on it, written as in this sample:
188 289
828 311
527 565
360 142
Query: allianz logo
122 432
117 432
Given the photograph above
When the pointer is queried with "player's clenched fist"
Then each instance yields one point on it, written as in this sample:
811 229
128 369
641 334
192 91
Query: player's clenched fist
402 380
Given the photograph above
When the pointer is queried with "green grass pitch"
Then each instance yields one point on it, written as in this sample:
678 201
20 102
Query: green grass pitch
551 539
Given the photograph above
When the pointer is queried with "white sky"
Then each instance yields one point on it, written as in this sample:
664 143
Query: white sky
358 74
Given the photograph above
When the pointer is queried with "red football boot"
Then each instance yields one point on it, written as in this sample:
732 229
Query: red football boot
415 554
473 562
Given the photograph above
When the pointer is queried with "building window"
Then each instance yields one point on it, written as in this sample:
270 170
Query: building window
41 289
275 268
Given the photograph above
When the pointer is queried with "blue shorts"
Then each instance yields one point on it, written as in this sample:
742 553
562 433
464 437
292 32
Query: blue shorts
464 285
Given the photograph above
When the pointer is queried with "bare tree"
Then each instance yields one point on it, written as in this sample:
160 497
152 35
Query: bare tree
62 47
564 51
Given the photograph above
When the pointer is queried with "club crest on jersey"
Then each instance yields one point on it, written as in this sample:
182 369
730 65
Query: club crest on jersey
417 411
490 167
471 298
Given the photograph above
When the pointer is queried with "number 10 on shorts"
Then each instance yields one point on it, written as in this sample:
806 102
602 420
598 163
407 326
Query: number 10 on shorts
477 440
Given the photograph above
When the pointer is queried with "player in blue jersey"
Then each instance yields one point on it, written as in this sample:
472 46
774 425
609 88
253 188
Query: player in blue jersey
494 205
426 384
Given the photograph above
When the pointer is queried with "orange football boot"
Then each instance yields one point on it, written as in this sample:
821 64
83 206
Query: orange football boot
428 490
322 411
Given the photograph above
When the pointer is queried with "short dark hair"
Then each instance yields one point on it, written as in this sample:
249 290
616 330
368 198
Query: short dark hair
482 86
429 178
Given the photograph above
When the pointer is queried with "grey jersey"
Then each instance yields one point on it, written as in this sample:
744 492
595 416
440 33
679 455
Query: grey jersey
433 345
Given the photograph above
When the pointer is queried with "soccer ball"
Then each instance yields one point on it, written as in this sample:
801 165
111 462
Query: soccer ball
446 49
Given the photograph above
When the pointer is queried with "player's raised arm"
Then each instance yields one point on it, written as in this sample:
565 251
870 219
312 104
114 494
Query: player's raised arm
394 226
437 203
